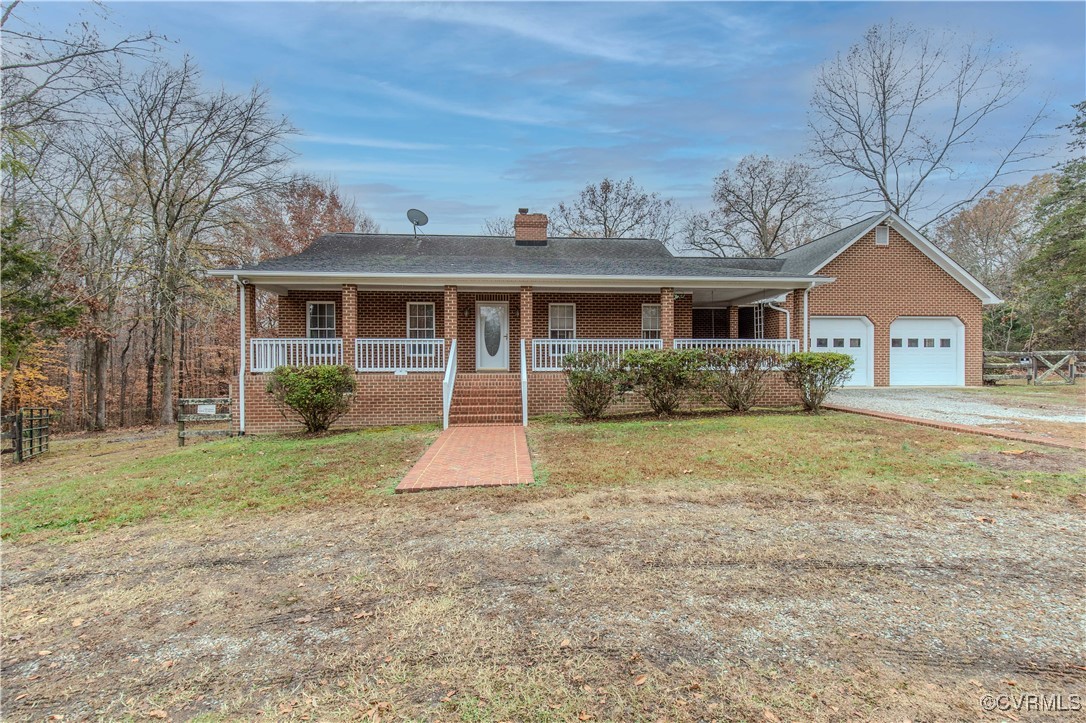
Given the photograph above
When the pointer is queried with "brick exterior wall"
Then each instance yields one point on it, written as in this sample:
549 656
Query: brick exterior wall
607 316
380 400
887 282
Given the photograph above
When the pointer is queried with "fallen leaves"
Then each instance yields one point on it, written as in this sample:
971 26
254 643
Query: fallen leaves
640 680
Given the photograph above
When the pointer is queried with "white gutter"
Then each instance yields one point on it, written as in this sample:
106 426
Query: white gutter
787 317
331 277
241 358
806 320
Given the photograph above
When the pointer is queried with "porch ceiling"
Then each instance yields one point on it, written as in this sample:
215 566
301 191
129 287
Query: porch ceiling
722 295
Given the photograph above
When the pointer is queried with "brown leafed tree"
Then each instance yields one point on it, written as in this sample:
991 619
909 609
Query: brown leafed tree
615 209
992 237
907 108
288 221
763 207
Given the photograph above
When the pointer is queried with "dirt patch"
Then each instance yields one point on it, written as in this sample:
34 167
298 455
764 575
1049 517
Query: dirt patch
1030 460
659 602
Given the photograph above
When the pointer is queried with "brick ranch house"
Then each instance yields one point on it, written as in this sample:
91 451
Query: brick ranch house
470 329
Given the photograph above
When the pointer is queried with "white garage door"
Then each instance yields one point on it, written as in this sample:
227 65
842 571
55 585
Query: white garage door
927 351
847 335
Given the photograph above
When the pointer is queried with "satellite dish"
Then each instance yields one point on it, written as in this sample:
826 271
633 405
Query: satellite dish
417 218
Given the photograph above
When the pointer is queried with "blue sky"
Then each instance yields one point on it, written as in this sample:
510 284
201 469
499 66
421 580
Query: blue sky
472 110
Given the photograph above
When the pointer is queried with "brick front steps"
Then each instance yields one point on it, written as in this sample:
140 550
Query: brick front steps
485 399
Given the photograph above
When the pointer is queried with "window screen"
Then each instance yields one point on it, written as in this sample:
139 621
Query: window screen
321 321
650 321
563 321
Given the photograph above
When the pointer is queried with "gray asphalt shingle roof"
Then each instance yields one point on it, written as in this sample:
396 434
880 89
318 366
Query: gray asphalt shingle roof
350 253
803 260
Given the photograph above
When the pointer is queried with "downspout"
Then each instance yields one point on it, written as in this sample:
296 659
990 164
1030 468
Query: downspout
787 316
241 358
806 320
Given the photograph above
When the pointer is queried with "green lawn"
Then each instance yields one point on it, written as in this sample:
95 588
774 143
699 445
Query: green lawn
93 484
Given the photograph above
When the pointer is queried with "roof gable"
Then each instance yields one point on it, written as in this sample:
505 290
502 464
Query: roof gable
812 257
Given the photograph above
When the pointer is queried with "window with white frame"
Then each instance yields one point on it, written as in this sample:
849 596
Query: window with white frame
563 321
650 321
421 321
759 322
320 322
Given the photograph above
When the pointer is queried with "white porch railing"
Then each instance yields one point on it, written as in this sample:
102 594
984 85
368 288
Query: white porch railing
267 354
781 346
399 355
447 385
547 354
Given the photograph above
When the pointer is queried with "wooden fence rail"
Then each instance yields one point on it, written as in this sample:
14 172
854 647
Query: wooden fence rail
1033 367
202 410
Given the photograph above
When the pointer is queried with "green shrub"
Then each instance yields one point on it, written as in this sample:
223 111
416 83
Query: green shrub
662 376
814 374
593 382
734 376
317 394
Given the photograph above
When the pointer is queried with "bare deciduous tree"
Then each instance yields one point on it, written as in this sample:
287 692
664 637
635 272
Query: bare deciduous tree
498 226
615 209
763 207
905 108
194 157
46 76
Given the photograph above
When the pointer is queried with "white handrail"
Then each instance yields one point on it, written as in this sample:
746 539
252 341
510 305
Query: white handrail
399 355
523 383
547 354
267 354
447 385
781 346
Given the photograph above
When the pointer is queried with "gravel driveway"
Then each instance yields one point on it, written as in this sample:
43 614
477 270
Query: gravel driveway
959 407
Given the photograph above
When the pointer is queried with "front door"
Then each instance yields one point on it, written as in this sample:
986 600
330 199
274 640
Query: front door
492 336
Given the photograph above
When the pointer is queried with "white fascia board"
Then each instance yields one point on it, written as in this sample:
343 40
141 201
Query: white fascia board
927 248
540 280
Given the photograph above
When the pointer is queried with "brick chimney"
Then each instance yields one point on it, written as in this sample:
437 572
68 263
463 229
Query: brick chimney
530 229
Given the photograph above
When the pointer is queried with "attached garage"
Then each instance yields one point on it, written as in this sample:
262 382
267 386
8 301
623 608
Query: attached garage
927 351
852 335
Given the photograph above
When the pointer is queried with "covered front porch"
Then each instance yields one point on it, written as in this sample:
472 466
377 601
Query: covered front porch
381 330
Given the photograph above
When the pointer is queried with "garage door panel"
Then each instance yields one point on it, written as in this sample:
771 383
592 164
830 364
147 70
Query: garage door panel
926 352
845 335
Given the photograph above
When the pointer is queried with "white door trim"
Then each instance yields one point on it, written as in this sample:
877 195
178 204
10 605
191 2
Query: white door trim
868 324
504 346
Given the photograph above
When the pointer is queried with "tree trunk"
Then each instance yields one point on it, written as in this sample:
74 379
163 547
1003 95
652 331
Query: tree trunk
152 358
169 343
101 377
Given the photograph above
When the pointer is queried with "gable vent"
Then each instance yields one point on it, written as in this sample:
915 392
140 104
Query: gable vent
882 235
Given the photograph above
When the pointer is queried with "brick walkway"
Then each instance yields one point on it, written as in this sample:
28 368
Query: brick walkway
472 457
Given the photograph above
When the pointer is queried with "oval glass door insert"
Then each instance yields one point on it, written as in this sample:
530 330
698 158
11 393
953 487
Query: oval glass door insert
492 329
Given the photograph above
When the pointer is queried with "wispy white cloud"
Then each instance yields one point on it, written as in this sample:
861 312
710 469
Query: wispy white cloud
364 142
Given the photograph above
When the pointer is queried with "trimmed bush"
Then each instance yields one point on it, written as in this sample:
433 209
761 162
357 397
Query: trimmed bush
593 382
734 376
662 376
318 395
814 374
